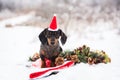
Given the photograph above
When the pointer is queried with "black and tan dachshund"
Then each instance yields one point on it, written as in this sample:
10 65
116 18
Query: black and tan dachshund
50 47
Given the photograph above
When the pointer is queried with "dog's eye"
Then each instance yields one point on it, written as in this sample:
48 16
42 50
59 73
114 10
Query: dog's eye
57 36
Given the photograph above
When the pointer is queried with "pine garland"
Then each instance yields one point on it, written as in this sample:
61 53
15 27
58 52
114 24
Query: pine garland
85 55
82 54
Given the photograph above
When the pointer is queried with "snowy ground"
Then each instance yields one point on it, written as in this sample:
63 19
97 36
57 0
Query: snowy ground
19 42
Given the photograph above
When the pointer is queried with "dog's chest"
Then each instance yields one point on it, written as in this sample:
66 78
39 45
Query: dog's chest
51 50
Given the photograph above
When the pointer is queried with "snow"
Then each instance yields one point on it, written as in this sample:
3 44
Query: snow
17 20
19 42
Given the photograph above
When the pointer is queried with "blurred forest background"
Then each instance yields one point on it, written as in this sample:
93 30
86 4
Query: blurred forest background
70 13
95 23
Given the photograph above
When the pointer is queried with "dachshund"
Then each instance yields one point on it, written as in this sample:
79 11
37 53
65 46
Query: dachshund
50 47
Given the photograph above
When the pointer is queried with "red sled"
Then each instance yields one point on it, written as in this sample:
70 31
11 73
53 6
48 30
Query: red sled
40 73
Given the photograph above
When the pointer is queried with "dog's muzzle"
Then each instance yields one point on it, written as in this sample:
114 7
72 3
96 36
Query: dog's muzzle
52 41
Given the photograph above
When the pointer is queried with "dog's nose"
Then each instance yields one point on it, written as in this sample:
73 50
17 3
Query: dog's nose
52 43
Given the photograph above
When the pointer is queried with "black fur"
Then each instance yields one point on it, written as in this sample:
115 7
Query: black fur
44 34
48 51
63 37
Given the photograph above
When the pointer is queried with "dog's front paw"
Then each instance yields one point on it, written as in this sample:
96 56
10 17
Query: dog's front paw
59 61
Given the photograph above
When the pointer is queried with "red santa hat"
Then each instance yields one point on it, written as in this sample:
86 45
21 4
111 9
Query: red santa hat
53 24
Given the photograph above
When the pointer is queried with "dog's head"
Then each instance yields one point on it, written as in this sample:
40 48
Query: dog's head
52 37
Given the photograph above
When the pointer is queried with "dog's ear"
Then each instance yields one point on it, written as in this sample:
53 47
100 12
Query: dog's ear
42 36
63 37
